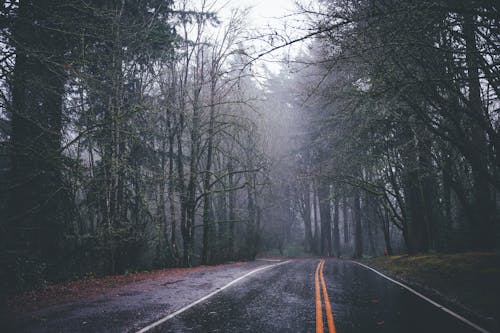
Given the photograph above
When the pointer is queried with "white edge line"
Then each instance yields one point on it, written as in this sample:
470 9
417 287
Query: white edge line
445 309
181 310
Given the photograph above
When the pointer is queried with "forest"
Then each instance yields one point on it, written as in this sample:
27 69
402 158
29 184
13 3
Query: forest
142 134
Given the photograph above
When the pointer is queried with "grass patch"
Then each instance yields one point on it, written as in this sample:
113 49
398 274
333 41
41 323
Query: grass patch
469 280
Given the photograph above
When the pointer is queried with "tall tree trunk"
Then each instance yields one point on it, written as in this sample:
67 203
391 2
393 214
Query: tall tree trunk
38 206
427 186
402 206
162 207
223 220
336 230
317 231
251 231
207 176
182 187
358 232
345 221
326 217
188 235
232 209
417 228
447 224
171 184
308 241
385 223
412 189
370 219
483 227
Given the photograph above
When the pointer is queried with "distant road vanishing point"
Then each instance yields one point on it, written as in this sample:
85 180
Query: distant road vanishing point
298 295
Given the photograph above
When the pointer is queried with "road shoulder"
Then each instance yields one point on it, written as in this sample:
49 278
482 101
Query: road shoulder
466 283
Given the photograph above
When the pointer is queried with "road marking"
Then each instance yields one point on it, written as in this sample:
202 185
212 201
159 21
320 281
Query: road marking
173 314
328 308
319 311
445 309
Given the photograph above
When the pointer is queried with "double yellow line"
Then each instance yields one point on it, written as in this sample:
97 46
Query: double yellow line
318 276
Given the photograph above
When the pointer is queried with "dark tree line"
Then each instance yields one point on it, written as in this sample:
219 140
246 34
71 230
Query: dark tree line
403 127
127 139
136 135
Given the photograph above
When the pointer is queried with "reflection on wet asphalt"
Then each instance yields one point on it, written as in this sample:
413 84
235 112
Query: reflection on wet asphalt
366 302
281 299
278 299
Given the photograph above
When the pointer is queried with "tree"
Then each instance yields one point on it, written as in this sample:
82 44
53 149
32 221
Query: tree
410 87
38 208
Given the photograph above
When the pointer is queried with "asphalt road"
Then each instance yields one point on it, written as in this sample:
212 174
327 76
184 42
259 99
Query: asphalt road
253 297
283 299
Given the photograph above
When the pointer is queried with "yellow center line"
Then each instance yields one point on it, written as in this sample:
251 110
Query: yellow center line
328 308
319 312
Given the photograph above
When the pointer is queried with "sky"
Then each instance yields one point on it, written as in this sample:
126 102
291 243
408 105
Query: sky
265 16
265 11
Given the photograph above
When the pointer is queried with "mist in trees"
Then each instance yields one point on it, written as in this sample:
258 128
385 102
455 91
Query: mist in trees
404 123
129 136
145 134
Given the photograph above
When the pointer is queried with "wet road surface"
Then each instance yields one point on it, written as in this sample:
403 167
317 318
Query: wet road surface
283 299
129 307
257 297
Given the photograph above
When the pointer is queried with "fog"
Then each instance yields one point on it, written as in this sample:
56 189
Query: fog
138 136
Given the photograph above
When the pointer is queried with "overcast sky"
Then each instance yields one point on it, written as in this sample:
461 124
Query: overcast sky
265 11
266 21
265 16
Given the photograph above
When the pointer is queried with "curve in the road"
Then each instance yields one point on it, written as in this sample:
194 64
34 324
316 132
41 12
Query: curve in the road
187 307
